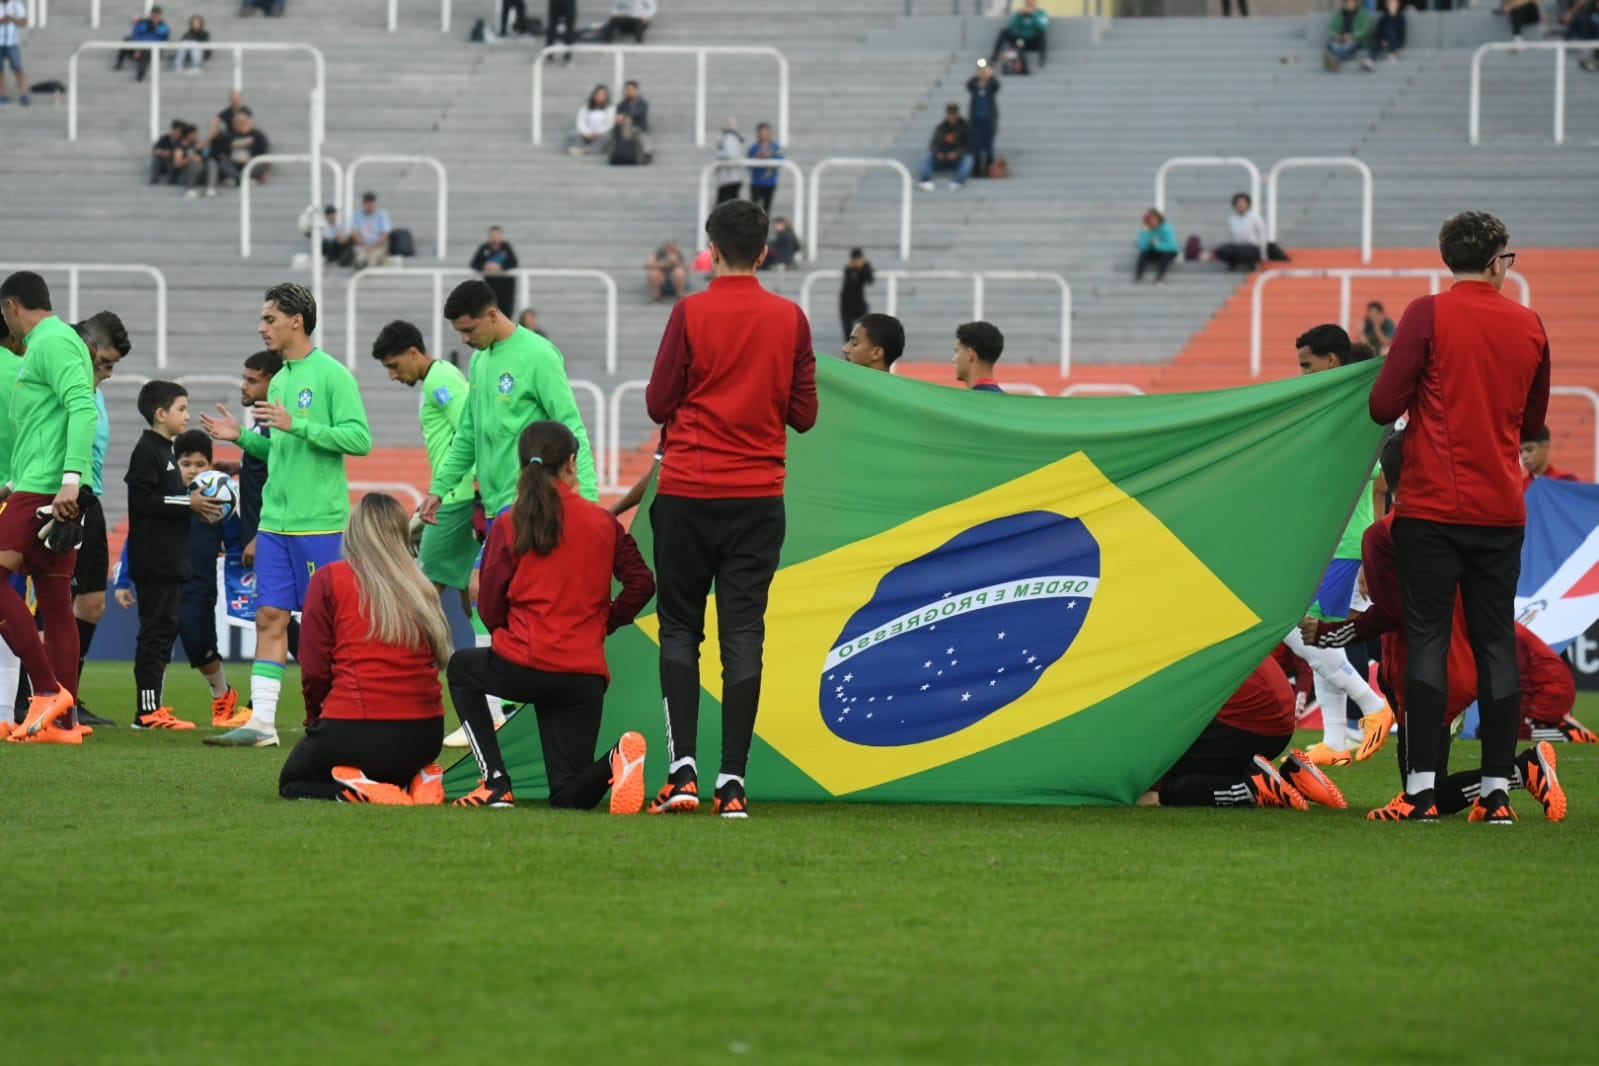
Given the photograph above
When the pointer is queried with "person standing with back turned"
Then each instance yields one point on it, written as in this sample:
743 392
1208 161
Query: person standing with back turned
734 370
1472 369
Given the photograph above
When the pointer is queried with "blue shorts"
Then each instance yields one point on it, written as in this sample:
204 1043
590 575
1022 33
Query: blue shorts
1337 588
10 53
284 563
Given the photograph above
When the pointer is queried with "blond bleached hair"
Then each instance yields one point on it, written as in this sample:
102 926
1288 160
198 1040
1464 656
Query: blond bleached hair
399 602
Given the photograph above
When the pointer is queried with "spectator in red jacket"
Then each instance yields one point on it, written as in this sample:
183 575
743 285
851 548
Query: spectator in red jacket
734 372
1535 458
372 639
545 596
1472 369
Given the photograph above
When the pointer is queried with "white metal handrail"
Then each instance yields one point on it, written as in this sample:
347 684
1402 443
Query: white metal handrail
614 449
272 157
1583 392
1022 388
1096 389
444 16
700 52
1301 162
787 165
979 281
1344 276
1559 48
1206 161
73 270
599 441
438 169
437 276
904 205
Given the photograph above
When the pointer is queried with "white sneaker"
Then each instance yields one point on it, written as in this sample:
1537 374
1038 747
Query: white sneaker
956 186
191 194
457 739
210 193
1367 64
926 186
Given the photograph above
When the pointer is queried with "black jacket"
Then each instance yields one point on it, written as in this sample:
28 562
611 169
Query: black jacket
158 513
252 479
950 139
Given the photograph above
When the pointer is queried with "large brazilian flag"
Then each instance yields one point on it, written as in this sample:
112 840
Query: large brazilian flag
987 598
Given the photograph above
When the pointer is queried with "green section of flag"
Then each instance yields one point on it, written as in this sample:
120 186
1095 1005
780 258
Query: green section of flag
1248 490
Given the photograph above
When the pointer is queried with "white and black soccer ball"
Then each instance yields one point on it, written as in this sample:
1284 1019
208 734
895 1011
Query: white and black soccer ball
216 486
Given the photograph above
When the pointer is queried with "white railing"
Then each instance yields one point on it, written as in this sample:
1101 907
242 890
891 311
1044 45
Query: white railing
1345 308
614 448
788 166
978 280
73 270
1301 162
1022 388
1206 161
1592 397
904 200
701 53
444 15
437 276
438 169
1559 48
264 160
1094 389
599 439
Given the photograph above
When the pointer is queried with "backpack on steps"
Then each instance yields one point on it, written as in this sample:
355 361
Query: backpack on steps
1193 249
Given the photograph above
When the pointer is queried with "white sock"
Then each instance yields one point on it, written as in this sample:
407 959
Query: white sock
1334 665
678 764
10 675
264 702
496 705
218 682
1419 781
722 779
1334 714
1491 785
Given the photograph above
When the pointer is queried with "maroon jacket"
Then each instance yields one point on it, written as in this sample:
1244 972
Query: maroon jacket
1263 704
734 370
553 612
1472 368
346 674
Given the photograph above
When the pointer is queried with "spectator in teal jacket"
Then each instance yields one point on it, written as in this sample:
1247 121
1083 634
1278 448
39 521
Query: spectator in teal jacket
1157 246
1348 34
1026 30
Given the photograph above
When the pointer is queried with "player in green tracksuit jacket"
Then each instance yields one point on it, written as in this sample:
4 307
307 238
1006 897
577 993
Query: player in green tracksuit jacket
517 377
314 409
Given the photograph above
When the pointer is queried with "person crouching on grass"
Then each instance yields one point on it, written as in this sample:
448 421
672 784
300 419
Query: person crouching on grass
372 640
545 595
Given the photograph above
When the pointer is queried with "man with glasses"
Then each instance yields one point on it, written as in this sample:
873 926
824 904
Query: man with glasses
1472 369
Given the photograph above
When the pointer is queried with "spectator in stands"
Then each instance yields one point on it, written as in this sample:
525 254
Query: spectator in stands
1535 457
629 147
950 149
782 247
1026 31
591 133
13 17
1522 13
1389 38
229 159
983 112
369 232
1157 246
629 16
666 272
529 320
161 156
506 25
561 21
1246 235
494 259
1581 19
729 179
852 293
151 29
763 180
337 247
266 7
1348 34
635 107
222 124
1378 329
1227 8
178 156
194 59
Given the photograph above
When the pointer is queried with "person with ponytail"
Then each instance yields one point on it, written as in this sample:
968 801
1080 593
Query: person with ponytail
545 595
372 640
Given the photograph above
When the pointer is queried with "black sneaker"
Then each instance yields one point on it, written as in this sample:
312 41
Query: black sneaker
680 794
89 718
731 801
496 794
1494 809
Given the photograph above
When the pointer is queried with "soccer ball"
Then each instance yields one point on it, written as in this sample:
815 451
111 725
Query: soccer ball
216 486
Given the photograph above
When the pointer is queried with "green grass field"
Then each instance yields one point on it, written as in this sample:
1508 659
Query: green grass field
164 906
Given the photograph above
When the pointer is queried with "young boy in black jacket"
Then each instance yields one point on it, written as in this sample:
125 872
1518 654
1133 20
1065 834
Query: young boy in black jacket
158 544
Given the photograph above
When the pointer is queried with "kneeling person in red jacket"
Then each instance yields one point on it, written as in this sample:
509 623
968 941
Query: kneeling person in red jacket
545 595
372 639
1229 765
